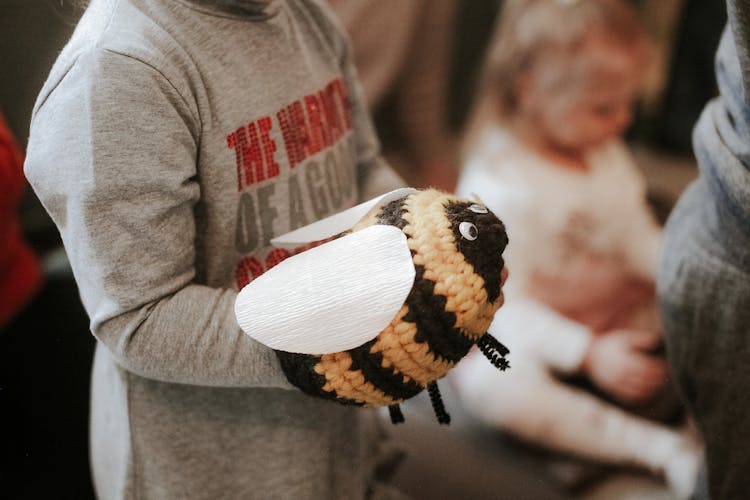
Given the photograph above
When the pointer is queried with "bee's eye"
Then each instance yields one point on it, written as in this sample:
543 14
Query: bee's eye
468 231
478 209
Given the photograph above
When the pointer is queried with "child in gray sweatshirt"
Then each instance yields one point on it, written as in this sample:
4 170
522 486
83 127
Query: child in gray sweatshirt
172 140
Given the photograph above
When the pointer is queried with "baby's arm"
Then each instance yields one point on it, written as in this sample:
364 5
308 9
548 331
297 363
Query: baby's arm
618 362
113 158
616 359
541 334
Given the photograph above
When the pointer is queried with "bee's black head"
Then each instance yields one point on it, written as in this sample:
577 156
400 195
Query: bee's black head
479 235
481 238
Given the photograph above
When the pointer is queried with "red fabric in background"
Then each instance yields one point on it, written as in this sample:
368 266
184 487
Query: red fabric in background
20 273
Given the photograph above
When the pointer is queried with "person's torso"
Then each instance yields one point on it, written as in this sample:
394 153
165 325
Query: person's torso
276 134
269 110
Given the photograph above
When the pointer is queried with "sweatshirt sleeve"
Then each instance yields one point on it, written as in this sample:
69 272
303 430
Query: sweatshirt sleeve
112 156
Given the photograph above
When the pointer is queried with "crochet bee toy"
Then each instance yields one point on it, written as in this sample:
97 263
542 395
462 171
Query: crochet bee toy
410 283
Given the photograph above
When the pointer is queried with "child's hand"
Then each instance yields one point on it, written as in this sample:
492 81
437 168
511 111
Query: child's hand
620 363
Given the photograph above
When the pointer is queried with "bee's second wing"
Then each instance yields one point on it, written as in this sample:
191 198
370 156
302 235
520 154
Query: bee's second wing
336 223
332 297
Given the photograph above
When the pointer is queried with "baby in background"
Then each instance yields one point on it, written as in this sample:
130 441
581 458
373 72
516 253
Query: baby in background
545 153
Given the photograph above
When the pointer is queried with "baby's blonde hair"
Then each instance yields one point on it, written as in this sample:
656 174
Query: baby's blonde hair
531 29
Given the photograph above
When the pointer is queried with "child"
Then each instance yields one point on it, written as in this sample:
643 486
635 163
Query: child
172 140
546 156
704 275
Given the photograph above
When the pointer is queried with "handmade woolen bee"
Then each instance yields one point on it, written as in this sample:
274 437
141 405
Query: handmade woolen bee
387 307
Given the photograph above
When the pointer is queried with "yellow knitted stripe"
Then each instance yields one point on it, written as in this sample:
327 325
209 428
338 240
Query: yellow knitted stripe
412 359
396 343
431 238
350 384
454 278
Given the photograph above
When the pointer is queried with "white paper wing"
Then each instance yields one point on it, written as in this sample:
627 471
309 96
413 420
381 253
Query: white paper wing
330 298
338 222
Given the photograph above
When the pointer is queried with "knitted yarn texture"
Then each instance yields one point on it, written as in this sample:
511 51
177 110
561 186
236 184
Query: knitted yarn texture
456 247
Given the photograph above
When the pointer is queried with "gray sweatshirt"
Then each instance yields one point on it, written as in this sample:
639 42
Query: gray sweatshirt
171 142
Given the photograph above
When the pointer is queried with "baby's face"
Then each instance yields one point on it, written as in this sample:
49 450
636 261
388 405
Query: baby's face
578 102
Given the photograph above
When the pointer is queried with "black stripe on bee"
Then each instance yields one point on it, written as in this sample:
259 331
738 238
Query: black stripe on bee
383 378
435 325
300 371
392 213
483 253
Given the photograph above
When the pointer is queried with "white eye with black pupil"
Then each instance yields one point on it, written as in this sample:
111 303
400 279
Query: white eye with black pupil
468 231
478 209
